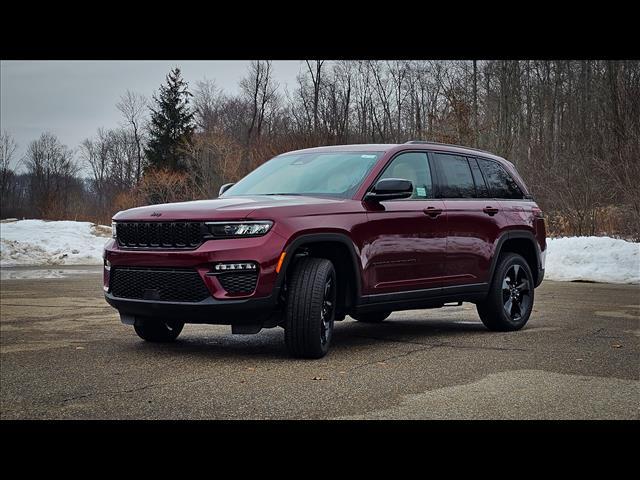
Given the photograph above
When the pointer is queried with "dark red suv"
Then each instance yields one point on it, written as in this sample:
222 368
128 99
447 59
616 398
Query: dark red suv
314 235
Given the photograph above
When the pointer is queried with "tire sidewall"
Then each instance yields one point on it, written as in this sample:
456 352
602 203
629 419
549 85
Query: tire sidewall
318 324
303 322
505 265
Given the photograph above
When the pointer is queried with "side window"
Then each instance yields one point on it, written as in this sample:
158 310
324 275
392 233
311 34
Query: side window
412 166
481 187
455 176
500 182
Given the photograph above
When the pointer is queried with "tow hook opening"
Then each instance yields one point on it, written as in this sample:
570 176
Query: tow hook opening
245 329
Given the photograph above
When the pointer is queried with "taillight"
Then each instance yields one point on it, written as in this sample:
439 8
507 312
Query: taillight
537 213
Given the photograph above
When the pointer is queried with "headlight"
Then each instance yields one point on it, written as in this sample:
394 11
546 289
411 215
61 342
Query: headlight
113 230
239 229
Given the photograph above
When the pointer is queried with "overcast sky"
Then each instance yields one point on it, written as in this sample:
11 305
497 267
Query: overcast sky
72 99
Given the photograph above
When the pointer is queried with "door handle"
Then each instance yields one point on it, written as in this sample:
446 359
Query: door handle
433 212
490 211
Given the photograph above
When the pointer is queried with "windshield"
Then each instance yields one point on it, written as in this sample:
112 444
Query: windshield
336 174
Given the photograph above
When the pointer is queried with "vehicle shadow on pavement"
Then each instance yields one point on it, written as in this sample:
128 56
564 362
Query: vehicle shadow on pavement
269 343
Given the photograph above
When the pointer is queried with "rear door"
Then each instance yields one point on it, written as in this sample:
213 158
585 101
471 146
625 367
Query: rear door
406 242
474 220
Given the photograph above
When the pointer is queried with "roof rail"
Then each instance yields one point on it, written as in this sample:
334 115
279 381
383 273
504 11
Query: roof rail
448 145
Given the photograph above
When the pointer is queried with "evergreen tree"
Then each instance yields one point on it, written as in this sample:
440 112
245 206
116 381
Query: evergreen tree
171 124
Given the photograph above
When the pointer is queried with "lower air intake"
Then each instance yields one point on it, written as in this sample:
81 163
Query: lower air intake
169 285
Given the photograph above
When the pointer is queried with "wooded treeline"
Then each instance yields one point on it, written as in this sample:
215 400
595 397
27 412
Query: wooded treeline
572 128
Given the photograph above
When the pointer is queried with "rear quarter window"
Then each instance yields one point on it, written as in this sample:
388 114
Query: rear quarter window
500 183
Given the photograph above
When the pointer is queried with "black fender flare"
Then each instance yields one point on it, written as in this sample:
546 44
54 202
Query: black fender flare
509 235
307 238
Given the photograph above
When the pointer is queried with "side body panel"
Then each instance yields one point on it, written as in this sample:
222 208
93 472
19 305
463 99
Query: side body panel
472 237
404 246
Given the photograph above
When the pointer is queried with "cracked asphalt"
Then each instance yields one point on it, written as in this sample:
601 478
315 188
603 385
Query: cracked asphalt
65 355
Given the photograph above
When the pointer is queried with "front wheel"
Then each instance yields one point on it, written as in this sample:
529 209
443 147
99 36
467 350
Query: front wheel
310 309
510 299
158 330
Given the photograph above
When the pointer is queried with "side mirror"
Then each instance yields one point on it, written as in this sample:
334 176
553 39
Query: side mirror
225 187
390 189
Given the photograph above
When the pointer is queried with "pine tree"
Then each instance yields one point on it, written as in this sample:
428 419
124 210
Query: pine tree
171 124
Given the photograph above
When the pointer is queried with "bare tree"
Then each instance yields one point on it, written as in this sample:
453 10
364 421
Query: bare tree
260 90
316 79
206 99
8 148
572 128
52 171
133 107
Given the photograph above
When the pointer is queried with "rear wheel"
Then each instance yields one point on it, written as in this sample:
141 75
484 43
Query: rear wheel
158 330
375 317
310 310
510 300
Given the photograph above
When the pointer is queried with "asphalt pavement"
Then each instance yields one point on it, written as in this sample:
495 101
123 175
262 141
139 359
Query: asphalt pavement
65 355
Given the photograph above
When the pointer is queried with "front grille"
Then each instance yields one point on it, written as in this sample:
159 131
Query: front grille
238 282
171 285
166 235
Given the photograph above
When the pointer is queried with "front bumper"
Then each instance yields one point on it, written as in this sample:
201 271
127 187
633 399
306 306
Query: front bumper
221 307
249 311
264 251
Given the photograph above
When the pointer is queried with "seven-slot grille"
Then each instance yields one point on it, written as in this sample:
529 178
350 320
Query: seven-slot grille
161 235
164 284
238 282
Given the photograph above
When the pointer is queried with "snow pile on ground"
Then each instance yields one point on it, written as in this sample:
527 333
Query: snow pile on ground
37 242
596 259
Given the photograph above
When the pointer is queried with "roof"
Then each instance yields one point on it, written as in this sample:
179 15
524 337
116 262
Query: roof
356 147
414 145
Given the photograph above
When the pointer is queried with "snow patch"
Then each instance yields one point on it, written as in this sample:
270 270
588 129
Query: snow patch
41 243
38 242
595 259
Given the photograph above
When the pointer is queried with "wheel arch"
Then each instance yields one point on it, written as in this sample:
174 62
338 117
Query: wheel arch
338 248
522 242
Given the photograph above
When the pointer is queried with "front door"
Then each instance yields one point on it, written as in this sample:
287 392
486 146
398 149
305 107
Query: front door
406 239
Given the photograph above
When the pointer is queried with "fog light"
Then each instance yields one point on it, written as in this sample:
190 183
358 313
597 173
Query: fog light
240 266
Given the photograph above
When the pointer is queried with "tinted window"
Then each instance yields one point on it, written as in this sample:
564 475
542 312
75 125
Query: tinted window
456 179
500 182
481 187
412 166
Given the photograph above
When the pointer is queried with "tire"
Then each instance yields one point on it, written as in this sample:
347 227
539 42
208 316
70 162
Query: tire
509 303
158 330
310 308
374 317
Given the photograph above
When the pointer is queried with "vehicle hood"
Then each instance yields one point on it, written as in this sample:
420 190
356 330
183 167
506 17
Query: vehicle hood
229 208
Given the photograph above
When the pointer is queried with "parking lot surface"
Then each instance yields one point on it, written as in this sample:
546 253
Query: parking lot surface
65 355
